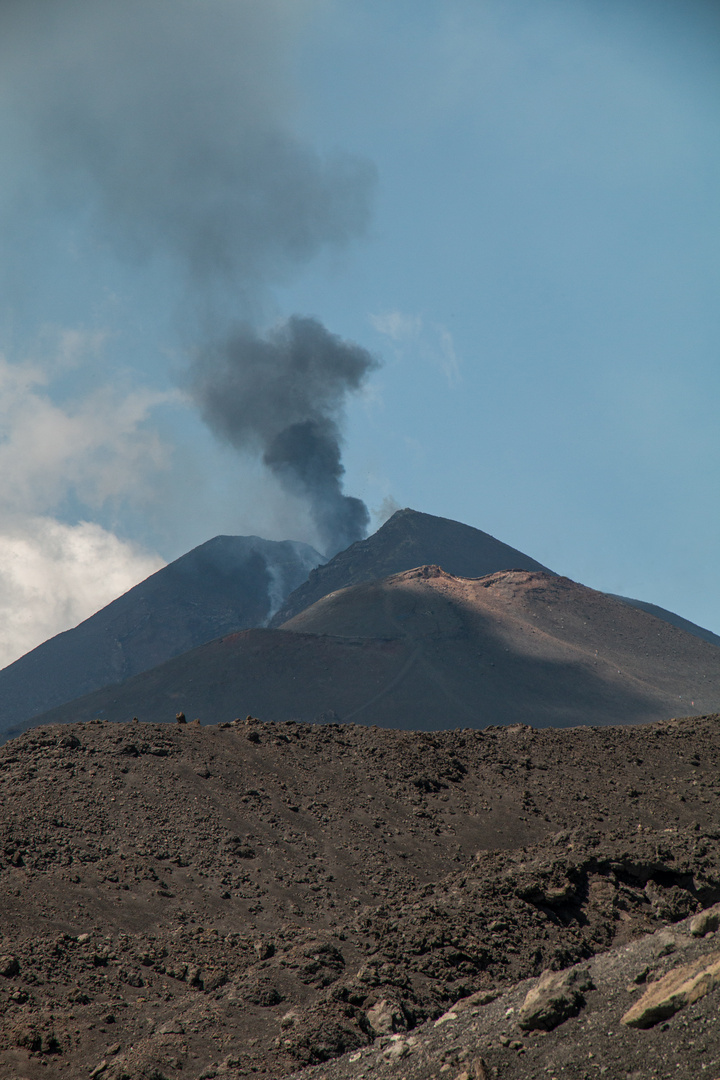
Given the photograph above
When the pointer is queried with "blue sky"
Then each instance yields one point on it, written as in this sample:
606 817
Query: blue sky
513 206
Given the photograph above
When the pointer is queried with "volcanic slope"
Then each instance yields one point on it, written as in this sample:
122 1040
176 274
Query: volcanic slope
406 540
426 650
226 584
410 539
671 617
251 898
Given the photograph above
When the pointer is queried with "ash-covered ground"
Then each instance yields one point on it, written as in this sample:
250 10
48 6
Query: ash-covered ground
258 898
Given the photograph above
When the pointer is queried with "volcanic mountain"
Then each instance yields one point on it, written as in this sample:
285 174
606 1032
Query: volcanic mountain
407 539
226 584
426 650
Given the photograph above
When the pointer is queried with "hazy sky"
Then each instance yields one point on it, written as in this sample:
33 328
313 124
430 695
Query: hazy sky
511 206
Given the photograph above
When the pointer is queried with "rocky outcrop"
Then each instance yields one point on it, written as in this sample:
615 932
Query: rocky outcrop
488 1037
706 922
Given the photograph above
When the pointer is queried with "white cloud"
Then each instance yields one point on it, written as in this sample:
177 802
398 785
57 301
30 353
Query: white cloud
54 575
76 345
97 451
446 355
397 325
431 341
98 447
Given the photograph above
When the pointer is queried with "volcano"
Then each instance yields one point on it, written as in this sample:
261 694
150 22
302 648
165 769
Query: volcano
426 650
408 539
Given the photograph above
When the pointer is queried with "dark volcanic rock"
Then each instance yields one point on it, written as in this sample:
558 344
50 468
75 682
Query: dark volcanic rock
138 933
227 584
482 1038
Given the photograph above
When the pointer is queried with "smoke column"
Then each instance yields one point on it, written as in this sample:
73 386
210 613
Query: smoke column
283 394
168 125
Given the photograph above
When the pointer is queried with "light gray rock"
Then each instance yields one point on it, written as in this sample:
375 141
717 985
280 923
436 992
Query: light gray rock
386 1017
680 987
705 922
557 996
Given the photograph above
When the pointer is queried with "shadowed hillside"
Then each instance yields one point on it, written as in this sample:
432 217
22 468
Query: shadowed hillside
427 650
671 617
225 584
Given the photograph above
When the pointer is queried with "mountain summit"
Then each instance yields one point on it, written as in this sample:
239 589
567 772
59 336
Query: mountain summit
484 634
406 540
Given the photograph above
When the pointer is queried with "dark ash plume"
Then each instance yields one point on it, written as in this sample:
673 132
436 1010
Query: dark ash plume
283 395
168 123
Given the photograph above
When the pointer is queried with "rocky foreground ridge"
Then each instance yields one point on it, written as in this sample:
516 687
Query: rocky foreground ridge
257 898
571 1023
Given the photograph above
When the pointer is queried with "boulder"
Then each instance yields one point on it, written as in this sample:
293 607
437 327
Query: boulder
680 987
557 996
9 966
705 922
386 1017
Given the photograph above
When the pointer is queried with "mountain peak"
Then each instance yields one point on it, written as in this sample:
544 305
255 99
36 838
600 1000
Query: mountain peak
409 539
